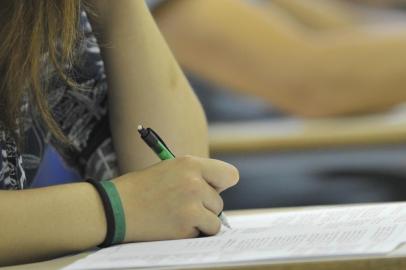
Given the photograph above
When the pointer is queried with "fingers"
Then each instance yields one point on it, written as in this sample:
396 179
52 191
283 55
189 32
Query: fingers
208 222
220 175
202 216
212 200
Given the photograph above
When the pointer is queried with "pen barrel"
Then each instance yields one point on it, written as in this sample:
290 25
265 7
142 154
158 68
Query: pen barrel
155 143
151 141
164 153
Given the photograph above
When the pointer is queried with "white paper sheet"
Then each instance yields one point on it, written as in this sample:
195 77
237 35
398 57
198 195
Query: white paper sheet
327 232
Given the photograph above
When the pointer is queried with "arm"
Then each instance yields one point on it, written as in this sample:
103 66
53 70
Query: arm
48 222
44 223
249 50
146 86
52 221
317 14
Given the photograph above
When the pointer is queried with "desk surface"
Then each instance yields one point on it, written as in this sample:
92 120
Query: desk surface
291 133
396 260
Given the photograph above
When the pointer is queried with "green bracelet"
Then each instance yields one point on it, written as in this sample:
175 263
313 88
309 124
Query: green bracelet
114 211
118 211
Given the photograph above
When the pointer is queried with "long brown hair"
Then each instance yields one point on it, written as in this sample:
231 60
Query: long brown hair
33 33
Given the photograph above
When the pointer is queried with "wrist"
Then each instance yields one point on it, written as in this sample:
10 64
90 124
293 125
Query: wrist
125 188
84 218
114 212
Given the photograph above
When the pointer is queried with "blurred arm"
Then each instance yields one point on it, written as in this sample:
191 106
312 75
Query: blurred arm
242 47
317 14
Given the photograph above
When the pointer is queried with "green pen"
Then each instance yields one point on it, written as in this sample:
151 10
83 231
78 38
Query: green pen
152 139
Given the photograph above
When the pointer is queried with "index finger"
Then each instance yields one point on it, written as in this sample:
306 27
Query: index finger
219 174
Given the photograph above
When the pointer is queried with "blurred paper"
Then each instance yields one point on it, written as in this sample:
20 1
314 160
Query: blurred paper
314 233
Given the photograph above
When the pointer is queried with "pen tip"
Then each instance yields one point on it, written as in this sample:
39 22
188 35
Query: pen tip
140 127
224 220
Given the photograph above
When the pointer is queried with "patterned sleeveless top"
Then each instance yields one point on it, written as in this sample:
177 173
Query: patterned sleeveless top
82 115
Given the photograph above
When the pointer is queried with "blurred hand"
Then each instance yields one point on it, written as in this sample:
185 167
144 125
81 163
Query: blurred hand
175 199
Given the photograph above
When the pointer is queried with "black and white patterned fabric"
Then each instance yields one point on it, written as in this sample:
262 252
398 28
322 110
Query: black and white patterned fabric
82 116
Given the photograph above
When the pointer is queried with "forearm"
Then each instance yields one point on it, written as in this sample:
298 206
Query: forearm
318 14
235 44
239 46
354 72
48 222
146 86
252 52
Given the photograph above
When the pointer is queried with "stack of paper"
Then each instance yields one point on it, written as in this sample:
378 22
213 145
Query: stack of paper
314 233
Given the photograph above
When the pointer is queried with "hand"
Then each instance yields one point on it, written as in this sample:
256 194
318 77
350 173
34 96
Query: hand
175 199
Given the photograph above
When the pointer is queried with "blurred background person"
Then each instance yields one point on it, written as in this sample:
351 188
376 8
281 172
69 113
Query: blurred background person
311 58
260 66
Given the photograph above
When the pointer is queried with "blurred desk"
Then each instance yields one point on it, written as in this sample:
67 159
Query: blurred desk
394 260
294 134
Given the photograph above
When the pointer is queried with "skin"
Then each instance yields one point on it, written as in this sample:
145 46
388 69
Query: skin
146 84
315 14
289 54
182 193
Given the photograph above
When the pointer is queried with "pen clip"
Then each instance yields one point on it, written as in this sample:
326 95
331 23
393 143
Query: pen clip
160 140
